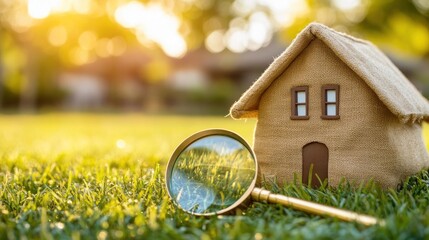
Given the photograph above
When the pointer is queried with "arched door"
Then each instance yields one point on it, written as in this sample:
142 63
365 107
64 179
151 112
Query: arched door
315 154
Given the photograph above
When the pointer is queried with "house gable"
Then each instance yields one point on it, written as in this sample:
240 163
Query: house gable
316 67
369 63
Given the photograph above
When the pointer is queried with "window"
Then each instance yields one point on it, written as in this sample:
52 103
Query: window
299 108
330 101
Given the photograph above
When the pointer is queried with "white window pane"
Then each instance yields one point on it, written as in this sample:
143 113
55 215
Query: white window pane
301 110
331 110
300 97
331 96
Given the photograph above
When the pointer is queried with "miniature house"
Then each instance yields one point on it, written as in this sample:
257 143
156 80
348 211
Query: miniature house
335 106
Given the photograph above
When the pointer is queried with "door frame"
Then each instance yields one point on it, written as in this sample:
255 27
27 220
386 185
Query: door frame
318 163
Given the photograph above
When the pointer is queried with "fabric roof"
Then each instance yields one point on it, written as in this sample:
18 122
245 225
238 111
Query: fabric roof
396 92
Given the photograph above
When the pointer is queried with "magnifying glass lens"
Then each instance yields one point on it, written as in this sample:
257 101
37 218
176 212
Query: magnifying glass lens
211 174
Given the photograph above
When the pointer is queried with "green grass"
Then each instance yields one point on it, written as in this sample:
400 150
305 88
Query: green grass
101 177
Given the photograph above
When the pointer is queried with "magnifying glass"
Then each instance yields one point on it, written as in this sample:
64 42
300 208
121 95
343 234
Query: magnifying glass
214 171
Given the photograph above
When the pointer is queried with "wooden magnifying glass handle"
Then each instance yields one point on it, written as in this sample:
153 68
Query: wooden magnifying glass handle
263 195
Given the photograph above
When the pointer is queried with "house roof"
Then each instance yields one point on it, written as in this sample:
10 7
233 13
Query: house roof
396 92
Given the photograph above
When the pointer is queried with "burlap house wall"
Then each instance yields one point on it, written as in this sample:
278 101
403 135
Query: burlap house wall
368 141
378 135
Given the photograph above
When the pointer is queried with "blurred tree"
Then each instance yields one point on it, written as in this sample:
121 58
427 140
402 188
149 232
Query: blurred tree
13 33
57 42
2 78
402 25
56 35
200 18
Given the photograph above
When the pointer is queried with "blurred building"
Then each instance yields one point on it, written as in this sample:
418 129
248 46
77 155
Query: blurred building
200 82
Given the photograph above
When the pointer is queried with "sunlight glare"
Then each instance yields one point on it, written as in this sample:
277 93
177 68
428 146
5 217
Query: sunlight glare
130 15
155 24
120 144
165 23
39 9
174 46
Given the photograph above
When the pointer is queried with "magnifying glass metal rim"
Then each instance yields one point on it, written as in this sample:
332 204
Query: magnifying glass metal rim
200 135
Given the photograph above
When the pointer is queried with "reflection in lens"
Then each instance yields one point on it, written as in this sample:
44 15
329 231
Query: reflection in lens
211 174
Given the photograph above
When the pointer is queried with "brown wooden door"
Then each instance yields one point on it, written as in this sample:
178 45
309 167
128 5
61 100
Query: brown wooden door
315 154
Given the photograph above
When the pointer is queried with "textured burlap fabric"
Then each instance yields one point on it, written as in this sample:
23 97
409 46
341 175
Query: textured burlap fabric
378 135
369 63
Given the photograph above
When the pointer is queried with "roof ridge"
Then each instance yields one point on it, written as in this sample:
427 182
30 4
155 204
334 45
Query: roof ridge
315 26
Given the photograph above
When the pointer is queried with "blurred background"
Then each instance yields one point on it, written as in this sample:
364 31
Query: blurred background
178 57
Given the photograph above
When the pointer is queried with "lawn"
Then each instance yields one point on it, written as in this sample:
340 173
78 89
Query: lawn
71 176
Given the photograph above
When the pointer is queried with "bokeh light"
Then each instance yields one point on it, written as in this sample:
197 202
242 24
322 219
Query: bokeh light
80 56
158 50
88 40
57 36
346 4
116 46
40 9
102 46
215 41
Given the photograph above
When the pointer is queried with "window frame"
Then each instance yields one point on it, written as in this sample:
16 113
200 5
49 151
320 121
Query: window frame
294 103
325 101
